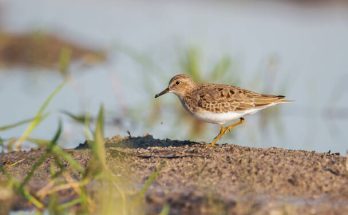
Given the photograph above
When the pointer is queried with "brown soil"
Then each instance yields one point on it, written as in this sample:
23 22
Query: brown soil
41 50
227 179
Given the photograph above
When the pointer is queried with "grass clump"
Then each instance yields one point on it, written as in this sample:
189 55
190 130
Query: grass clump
96 188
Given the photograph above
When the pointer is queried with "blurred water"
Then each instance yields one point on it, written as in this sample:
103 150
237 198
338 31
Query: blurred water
309 45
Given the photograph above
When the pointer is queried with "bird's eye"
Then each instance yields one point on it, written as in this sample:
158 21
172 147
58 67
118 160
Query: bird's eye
178 82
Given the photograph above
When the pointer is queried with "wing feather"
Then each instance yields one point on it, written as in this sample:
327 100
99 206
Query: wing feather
225 98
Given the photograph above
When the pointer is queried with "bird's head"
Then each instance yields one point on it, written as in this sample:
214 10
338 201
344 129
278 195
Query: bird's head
179 85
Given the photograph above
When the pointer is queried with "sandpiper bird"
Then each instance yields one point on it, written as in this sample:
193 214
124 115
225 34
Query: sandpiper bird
218 103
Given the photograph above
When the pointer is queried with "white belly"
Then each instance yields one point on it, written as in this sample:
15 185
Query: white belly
222 118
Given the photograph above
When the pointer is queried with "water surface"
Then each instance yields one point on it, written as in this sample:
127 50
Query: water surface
275 48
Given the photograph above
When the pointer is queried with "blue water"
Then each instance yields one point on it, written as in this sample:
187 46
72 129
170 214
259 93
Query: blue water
278 48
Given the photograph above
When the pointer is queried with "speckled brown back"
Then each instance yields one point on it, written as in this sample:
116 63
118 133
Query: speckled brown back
221 98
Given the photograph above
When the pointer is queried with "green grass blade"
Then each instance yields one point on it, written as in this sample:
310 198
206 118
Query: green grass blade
57 135
98 146
39 116
97 164
16 124
50 98
35 166
86 129
39 142
31 198
43 157
69 204
67 157
192 65
60 153
64 61
21 190
77 118
150 180
165 210
2 146
84 119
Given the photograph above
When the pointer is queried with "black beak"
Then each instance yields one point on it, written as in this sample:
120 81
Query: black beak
162 93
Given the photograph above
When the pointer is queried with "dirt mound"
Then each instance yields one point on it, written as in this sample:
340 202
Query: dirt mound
196 179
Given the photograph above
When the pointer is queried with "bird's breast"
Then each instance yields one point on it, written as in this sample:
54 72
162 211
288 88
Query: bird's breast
207 116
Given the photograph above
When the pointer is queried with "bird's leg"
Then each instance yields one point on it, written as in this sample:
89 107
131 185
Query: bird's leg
224 130
230 127
221 133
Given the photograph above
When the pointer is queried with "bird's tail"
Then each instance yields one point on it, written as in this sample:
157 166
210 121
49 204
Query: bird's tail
282 99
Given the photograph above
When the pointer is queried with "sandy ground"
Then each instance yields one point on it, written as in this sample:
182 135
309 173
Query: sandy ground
227 179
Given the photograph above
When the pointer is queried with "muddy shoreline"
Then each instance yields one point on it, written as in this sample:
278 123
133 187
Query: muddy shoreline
227 179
